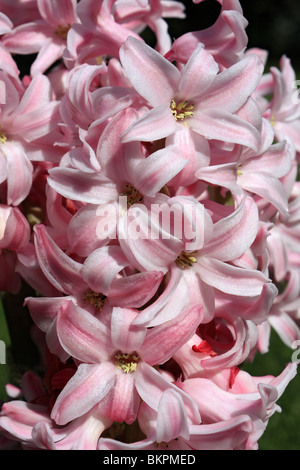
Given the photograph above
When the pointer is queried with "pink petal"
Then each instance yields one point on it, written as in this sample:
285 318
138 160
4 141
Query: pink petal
169 304
224 175
157 170
135 290
151 385
85 187
27 38
61 270
234 234
58 12
14 228
276 160
92 227
164 340
232 87
145 250
221 125
84 390
42 436
122 402
18 418
108 101
82 335
202 65
110 150
285 326
229 434
8 64
153 76
44 310
102 266
194 148
50 52
266 186
154 125
126 337
20 171
230 279
171 418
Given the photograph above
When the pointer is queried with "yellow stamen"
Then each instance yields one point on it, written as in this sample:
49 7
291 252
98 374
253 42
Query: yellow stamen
3 138
181 110
62 31
127 362
272 121
186 260
94 298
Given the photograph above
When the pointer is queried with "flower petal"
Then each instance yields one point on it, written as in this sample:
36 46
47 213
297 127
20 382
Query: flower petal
153 76
61 270
84 390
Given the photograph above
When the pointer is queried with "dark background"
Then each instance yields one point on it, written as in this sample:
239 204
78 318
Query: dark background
274 25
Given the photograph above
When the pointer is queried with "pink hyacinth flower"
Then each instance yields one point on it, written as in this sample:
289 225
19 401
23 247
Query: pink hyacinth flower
46 35
116 361
206 105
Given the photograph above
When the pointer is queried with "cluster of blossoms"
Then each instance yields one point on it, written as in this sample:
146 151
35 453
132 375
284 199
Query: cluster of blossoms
149 196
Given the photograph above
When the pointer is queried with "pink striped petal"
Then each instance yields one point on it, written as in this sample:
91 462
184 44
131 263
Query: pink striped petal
84 390
266 186
19 173
92 227
135 290
229 434
153 76
154 125
125 336
158 169
230 279
219 124
102 266
14 228
85 187
285 326
82 335
61 270
234 234
58 12
123 401
144 243
27 38
171 418
202 65
232 87
151 385
171 335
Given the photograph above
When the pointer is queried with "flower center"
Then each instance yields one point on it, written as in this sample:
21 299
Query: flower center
133 195
127 362
94 298
3 138
181 110
272 120
62 31
186 260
